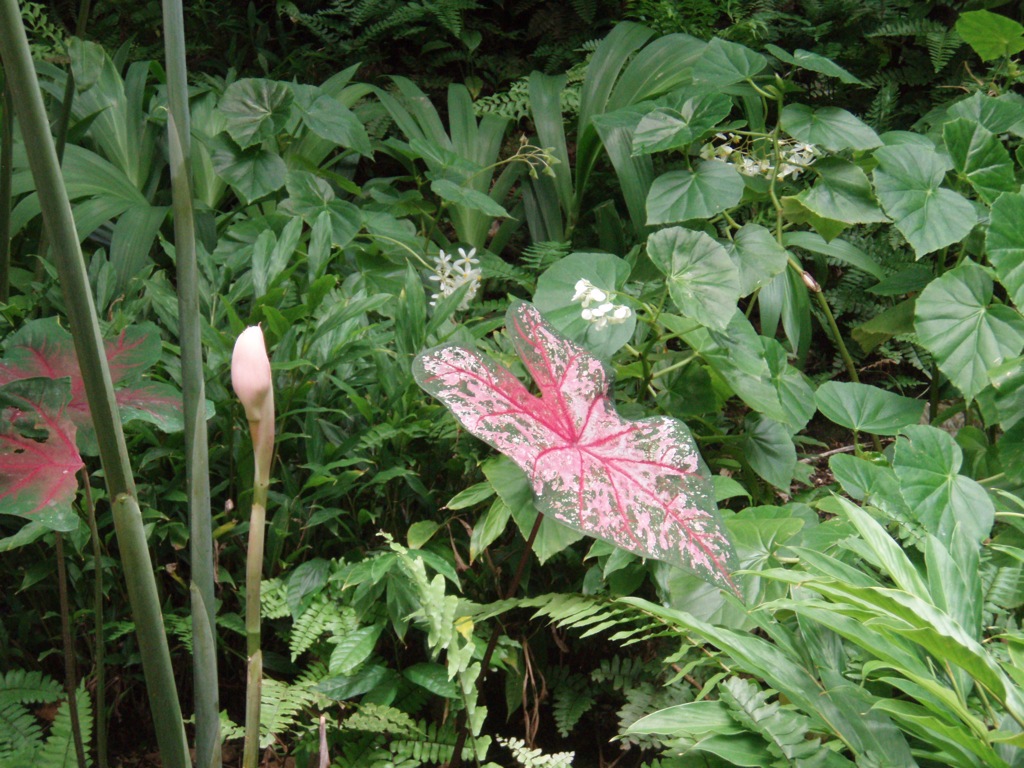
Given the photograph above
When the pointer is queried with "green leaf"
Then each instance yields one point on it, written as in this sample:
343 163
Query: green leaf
1005 244
997 114
841 193
813 62
833 128
468 198
768 446
255 110
841 250
711 188
792 386
980 157
908 182
678 121
433 677
864 408
557 285
702 280
725 63
967 334
329 119
353 649
757 255
489 527
927 464
990 35
252 173
894 321
309 196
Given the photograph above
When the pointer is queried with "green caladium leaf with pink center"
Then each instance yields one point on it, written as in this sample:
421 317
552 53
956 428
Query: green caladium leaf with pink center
38 455
641 485
44 348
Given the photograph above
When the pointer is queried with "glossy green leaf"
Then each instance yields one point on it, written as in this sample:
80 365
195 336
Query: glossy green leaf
894 321
864 408
468 198
757 255
1005 244
309 196
679 121
712 187
813 62
792 387
997 114
255 110
980 157
353 649
908 182
842 193
557 286
489 527
702 280
329 119
768 446
872 483
990 35
725 63
840 250
927 463
967 334
252 173
833 128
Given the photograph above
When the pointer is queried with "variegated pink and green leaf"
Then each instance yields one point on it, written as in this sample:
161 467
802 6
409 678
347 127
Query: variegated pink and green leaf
38 455
640 484
44 348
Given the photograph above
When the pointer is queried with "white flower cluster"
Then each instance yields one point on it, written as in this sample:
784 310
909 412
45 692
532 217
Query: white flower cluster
605 313
795 155
450 275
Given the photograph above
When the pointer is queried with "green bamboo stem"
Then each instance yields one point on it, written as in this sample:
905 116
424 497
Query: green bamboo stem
6 181
57 218
204 659
70 667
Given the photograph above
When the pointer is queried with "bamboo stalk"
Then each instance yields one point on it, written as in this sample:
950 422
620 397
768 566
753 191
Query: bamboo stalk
57 218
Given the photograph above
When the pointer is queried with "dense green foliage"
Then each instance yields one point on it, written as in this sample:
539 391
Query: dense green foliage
794 226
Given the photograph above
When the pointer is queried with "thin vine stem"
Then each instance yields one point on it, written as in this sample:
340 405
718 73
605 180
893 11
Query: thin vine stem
70 666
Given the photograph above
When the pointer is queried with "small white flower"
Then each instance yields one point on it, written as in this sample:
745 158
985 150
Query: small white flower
452 275
583 287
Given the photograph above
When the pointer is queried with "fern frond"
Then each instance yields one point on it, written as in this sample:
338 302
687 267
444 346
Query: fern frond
908 28
321 617
570 700
784 731
540 255
274 599
432 744
535 758
379 718
280 707
20 687
59 749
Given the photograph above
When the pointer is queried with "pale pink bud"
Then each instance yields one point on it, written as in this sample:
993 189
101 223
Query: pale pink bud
250 372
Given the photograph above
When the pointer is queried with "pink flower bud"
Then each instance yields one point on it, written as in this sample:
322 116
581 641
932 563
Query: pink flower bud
250 372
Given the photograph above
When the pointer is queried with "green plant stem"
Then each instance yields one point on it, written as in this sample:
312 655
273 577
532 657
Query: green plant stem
70 668
492 643
6 183
253 576
57 218
203 598
99 653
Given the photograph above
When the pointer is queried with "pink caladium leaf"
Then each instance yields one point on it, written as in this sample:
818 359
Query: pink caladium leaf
44 348
640 484
38 455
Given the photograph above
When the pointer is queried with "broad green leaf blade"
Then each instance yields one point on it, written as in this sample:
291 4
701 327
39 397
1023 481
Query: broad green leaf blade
864 408
768 446
980 157
841 193
309 196
554 298
967 334
927 464
255 110
724 63
833 128
997 114
990 35
757 255
252 173
1005 244
38 456
841 250
331 120
679 121
640 484
468 198
813 62
711 188
908 182
353 649
702 280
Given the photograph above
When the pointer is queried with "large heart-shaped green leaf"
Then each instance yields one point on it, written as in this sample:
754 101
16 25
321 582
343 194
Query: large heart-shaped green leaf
679 120
967 334
908 181
1005 243
252 173
768 446
702 280
724 63
980 158
864 408
833 128
814 62
991 36
757 255
255 109
998 114
927 464
710 188
842 193
309 196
